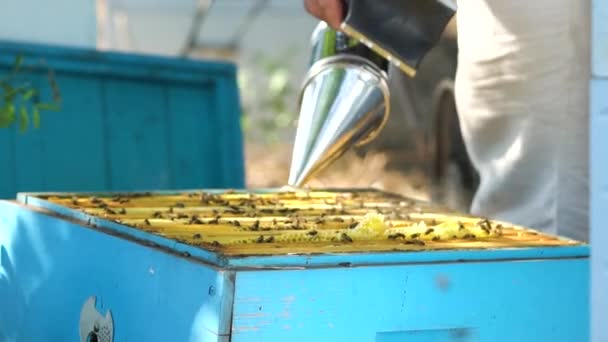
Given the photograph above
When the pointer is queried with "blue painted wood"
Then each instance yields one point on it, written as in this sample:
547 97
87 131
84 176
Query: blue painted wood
185 128
49 267
67 134
599 38
8 176
137 126
324 260
494 301
128 122
131 65
599 207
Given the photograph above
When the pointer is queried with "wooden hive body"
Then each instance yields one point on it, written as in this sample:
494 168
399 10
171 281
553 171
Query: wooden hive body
166 285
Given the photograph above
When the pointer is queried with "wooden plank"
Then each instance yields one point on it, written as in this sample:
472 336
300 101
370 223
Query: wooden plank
230 133
495 300
137 137
195 162
599 208
30 150
102 64
74 139
7 160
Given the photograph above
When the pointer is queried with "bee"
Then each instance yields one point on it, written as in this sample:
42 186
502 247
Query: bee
485 225
256 225
313 233
179 205
216 220
236 223
157 214
147 222
109 211
196 236
234 209
461 226
260 239
74 200
122 211
181 216
415 235
269 239
470 237
171 210
436 238
338 219
416 242
319 221
216 244
345 238
429 231
195 220
353 225
95 200
396 236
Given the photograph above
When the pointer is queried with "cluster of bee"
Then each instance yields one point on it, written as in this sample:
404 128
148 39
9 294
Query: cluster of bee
297 218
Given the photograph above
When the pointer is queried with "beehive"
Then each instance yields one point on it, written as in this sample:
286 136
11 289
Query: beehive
283 265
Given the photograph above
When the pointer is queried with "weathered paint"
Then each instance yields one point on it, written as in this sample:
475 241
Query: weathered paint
599 208
534 300
128 122
50 266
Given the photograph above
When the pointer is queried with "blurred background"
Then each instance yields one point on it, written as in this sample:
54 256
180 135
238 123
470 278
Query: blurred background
419 154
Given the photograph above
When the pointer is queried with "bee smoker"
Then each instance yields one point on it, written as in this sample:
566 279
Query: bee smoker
344 100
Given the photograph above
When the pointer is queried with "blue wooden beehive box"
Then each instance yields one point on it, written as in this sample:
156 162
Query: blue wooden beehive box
127 122
279 266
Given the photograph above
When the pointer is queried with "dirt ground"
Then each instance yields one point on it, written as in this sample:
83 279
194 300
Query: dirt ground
268 166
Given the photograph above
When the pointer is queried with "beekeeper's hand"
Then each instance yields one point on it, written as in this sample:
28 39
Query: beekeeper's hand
330 11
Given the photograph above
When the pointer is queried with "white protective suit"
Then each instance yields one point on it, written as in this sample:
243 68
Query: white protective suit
522 98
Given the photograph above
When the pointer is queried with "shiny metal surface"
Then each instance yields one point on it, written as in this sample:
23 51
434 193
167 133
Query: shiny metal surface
344 103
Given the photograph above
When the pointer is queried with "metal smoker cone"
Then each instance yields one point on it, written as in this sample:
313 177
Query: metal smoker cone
344 103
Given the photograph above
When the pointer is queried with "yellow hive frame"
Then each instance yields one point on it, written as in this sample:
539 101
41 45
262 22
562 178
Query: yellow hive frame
316 221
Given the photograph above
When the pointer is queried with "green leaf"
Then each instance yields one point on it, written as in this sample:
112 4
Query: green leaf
53 107
24 119
28 94
7 115
36 117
